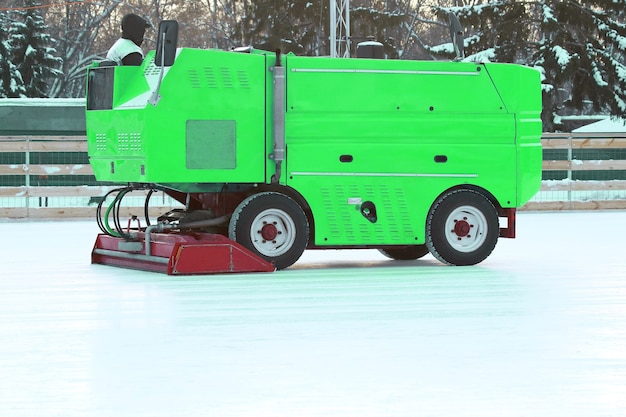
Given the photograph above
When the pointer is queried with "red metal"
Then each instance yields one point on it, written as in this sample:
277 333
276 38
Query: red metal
462 228
269 232
509 231
179 254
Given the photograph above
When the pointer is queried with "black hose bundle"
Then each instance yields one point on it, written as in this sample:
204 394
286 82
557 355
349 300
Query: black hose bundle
114 209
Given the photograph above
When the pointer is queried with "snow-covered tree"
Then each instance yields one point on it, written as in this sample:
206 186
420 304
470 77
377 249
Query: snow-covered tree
11 83
33 51
303 26
76 26
380 21
577 45
297 26
581 53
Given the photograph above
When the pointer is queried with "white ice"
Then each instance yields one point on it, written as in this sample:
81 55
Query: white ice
538 329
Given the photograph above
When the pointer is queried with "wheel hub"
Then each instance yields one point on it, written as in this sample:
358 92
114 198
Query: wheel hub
273 232
462 228
466 228
269 231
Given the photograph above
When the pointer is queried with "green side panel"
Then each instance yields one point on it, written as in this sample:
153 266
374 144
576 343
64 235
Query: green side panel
529 170
131 82
338 219
520 88
517 85
403 191
218 95
431 87
399 134
211 144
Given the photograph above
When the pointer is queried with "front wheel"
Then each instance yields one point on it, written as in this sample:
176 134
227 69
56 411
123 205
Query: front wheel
462 228
273 226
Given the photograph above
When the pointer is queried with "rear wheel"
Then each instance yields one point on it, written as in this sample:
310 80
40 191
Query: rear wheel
462 228
407 253
273 226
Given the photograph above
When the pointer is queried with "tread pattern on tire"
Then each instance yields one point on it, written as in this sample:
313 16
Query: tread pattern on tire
265 200
459 258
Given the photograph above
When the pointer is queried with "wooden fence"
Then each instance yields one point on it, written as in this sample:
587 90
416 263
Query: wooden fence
24 193
32 198
601 163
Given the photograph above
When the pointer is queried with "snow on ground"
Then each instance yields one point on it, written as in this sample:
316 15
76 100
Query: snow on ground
538 329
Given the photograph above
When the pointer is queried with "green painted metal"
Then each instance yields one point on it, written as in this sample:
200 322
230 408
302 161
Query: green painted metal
147 143
398 133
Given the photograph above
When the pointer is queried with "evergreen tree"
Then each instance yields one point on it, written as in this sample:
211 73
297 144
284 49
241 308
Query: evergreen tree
582 52
303 26
33 52
11 84
380 21
577 45
295 26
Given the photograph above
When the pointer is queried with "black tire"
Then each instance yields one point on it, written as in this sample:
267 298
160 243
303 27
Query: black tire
462 228
271 225
408 253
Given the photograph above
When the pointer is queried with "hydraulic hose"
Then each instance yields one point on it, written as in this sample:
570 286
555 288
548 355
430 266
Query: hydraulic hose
115 206
146 205
199 224
116 213
104 225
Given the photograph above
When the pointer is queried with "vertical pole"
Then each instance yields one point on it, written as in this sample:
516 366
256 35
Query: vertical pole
340 28
279 81
333 28
27 176
569 172
346 53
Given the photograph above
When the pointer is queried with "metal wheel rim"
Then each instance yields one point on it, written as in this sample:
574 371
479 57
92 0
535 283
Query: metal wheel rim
285 232
477 234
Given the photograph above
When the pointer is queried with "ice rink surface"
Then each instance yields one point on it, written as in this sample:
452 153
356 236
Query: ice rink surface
538 329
